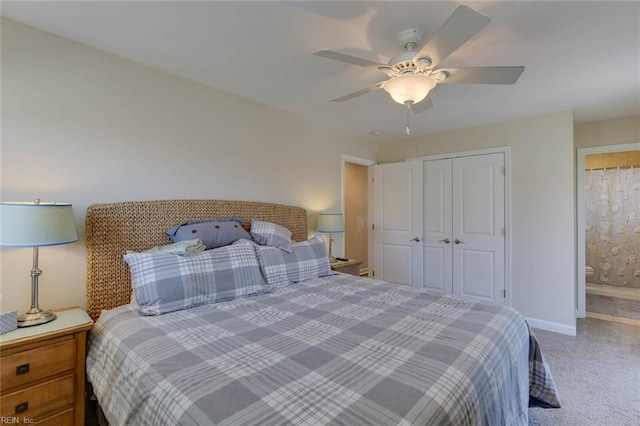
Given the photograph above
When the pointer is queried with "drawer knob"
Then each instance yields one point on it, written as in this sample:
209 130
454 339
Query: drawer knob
22 407
22 369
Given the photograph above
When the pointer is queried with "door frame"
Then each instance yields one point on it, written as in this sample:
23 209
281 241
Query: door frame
506 151
581 261
364 162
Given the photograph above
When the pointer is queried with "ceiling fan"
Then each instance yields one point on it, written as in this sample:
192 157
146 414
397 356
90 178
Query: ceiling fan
413 73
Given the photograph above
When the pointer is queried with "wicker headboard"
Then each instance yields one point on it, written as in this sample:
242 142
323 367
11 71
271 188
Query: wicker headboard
114 228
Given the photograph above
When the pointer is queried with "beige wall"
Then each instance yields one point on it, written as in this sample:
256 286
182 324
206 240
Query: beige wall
616 131
542 206
83 126
356 210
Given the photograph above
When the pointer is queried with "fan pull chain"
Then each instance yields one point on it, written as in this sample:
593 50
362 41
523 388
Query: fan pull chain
409 111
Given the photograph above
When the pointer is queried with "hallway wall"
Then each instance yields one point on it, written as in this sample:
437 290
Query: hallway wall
356 212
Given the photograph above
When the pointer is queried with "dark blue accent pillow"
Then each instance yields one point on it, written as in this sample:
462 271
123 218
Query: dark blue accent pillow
213 232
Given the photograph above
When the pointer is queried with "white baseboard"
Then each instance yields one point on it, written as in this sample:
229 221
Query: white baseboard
552 326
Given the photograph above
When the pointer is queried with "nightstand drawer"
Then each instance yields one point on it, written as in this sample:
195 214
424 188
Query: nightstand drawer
59 419
352 266
37 363
39 400
352 270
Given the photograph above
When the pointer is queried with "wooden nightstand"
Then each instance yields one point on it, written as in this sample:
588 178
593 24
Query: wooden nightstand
351 266
43 375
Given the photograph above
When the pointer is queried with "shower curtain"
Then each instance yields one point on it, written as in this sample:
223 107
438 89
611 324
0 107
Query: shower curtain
612 217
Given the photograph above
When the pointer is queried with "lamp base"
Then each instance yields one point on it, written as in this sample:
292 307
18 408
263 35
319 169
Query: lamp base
35 318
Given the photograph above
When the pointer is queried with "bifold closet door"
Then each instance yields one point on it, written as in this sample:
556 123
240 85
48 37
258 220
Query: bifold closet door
437 225
478 227
464 242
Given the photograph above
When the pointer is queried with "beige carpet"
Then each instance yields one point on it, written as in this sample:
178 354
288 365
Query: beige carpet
597 374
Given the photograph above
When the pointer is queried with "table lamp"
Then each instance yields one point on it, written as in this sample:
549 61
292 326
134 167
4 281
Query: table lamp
330 222
35 224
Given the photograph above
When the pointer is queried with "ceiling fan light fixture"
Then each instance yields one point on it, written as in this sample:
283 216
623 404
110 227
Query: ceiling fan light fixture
409 88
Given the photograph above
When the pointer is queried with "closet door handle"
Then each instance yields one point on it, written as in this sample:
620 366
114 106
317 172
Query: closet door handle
457 241
446 241
416 239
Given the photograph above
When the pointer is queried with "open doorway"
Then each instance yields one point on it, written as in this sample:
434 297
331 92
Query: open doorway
355 202
608 180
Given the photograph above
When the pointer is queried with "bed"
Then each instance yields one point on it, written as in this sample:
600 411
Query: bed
332 349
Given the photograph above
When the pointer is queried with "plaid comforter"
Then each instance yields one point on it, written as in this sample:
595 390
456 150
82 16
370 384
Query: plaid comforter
333 350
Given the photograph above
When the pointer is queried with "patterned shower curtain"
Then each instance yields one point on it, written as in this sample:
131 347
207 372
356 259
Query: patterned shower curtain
612 216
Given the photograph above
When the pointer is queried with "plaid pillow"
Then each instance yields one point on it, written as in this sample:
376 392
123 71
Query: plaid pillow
271 234
307 260
165 282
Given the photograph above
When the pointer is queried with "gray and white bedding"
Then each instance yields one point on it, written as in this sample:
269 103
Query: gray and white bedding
333 350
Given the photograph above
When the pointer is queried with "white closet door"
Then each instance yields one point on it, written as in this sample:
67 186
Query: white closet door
437 241
478 227
397 222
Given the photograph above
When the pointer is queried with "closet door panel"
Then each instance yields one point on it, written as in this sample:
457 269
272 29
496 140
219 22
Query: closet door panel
475 194
477 278
396 263
397 223
437 225
478 226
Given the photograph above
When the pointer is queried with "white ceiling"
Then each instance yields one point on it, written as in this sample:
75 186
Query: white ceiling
582 56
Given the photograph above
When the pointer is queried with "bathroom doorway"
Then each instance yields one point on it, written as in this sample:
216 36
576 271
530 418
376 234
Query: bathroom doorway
608 180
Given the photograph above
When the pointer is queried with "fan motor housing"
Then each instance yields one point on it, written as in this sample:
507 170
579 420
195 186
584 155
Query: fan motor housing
404 63
410 39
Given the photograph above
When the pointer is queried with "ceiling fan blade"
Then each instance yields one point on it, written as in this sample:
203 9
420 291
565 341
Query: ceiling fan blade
463 24
482 75
358 93
349 59
423 105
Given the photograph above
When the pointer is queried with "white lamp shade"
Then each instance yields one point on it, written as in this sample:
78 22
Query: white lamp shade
27 224
330 222
409 87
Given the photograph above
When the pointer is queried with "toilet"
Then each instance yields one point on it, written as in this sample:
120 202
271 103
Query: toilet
588 272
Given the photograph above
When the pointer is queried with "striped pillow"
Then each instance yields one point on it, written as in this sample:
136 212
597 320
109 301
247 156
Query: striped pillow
165 282
271 234
307 260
